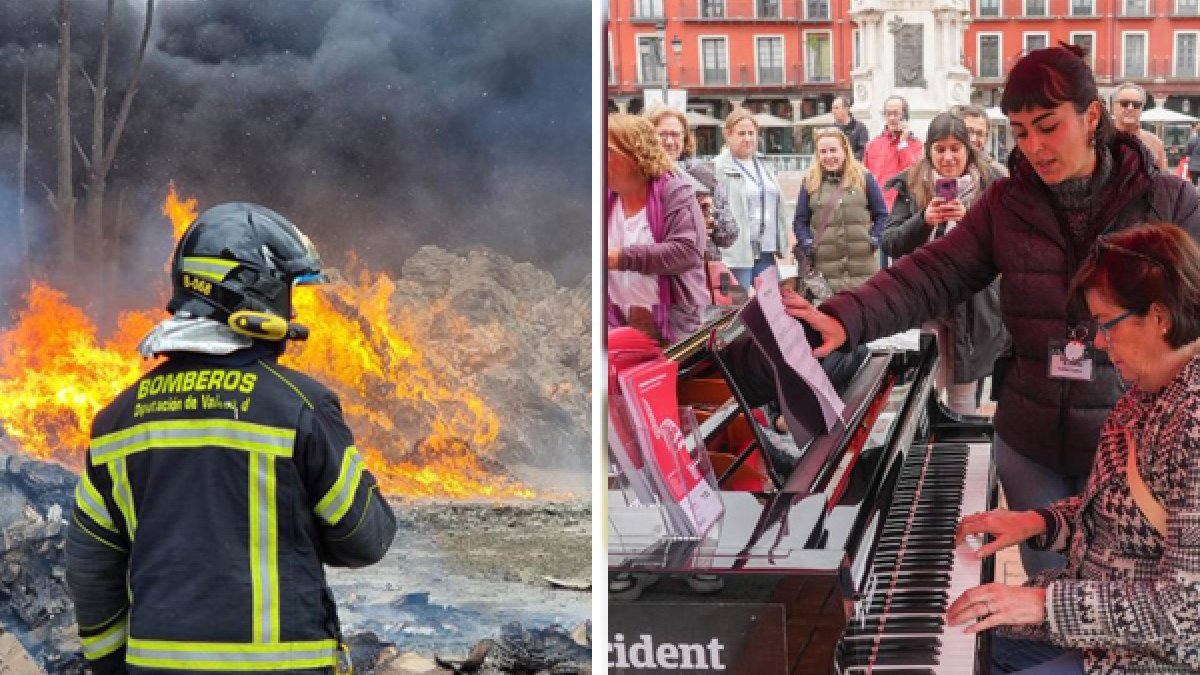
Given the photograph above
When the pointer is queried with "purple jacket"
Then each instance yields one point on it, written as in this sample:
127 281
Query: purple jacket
677 256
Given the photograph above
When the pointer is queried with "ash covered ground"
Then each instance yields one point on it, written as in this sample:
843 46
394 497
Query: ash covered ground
458 573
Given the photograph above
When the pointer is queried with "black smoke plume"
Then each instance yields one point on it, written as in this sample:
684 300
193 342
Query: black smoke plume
376 125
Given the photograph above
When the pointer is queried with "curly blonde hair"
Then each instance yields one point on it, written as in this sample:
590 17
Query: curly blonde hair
853 172
656 115
635 136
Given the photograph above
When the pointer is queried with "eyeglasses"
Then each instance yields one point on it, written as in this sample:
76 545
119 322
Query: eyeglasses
1105 327
1136 105
668 135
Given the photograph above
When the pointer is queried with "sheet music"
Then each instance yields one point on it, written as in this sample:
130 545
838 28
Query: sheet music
788 335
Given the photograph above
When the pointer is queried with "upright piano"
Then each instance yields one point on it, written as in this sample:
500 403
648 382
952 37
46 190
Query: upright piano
843 563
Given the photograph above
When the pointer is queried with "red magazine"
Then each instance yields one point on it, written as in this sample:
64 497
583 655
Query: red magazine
649 390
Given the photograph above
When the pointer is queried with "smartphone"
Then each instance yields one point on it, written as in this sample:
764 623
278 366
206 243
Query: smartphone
946 188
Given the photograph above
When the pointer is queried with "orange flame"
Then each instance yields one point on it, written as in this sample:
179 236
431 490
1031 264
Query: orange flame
180 212
421 436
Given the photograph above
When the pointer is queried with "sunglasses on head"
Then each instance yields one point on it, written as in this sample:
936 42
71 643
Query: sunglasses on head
1136 105
1103 246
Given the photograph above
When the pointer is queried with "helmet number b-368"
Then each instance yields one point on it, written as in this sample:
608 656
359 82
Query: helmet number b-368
196 284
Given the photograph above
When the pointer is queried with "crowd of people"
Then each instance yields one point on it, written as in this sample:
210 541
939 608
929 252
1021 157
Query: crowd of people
1071 276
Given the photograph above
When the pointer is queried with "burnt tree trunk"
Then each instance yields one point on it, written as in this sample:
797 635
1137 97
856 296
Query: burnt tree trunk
64 201
22 161
104 152
95 204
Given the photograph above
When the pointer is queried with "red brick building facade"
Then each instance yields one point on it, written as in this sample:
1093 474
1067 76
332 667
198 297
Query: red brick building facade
791 57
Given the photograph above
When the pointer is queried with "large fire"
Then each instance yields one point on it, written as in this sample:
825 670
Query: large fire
421 435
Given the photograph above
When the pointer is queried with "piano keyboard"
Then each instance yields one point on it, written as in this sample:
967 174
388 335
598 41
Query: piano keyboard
900 624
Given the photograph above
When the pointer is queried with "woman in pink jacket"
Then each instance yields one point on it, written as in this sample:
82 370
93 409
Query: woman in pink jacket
655 234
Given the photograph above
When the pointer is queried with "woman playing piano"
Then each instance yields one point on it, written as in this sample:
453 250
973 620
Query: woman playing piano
1074 177
1127 600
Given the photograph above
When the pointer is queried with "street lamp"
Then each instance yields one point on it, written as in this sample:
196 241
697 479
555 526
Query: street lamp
662 56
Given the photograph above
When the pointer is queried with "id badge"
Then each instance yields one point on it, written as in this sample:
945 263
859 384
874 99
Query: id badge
1071 360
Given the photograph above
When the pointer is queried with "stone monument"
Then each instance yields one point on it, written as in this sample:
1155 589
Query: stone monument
912 48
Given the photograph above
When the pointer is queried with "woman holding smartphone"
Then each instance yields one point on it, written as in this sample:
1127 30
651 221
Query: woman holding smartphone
932 197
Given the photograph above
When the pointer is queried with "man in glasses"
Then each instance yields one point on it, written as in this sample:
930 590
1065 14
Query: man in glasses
978 129
1128 101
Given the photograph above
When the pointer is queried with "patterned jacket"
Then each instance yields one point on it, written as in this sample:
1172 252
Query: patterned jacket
1128 597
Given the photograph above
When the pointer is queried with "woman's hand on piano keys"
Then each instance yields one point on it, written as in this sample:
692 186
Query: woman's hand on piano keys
996 604
832 332
1005 527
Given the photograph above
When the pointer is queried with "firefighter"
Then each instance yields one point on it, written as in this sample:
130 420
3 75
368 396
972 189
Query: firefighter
217 485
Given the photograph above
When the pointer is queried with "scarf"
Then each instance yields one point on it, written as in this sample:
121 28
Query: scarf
202 336
656 217
1080 198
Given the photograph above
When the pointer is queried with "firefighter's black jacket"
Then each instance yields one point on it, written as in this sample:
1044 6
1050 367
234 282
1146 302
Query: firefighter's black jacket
214 490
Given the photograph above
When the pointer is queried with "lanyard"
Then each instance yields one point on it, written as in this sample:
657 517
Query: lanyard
762 194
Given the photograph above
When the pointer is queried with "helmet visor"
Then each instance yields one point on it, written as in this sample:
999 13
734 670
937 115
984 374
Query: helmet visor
311 279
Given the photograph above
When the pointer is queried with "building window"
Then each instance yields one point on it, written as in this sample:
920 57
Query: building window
989 55
1083 7
989 7
767 9
712 9
1185 55
650 66
1187 7
1134 57
1036 41
1086 42
817 9
648 9
818 57
715 61
1035 7
1136 8
856 38
770 60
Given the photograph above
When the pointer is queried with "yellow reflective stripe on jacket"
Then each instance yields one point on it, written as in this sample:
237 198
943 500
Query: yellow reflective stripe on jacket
88 499
230 434
337 501
123 495
264 549
210 268
100 646
230 656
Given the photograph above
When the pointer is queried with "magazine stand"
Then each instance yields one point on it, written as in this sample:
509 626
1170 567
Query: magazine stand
716 343
649 502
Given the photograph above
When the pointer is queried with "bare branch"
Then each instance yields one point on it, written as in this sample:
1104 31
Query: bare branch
87 164
127 102
83 71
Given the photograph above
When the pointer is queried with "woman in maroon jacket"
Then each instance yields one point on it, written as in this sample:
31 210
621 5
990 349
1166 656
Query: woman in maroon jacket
655 233
1074 178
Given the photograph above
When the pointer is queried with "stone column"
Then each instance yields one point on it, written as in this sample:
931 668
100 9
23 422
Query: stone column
910 48
797 106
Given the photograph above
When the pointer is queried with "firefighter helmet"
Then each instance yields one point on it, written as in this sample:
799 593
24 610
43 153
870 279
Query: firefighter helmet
241 258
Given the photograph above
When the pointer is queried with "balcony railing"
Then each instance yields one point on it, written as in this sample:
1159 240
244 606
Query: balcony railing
741 77
1162 68
752 10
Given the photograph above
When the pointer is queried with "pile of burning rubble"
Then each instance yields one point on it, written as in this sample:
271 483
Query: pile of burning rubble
470 391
